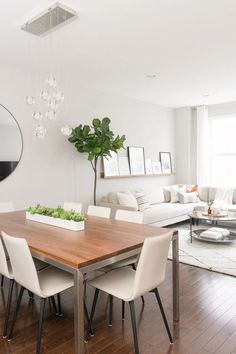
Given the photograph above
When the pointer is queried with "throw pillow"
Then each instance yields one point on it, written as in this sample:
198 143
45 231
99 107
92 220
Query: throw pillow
174 190
185 198
142 200
126 198
192 189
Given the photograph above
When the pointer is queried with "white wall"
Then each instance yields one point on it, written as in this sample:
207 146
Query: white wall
44 172
185 118
143 124
183 121
52 171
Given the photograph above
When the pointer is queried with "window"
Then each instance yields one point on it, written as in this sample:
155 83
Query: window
223 151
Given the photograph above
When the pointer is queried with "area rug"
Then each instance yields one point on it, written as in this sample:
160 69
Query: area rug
218 257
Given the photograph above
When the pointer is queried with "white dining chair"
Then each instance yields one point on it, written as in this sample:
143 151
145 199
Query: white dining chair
69 206
128 284
99 211
133 217
6 271
129 215
5 207
46 284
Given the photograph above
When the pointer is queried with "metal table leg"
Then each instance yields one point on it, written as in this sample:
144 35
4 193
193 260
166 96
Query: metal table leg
191 229
175 275
79 312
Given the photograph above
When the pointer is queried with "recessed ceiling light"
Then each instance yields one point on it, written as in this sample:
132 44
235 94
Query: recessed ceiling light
151 76
205 95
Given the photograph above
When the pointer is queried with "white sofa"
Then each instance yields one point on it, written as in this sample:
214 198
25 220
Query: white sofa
161 211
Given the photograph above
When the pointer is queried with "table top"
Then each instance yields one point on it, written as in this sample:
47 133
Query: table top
101 239
231 216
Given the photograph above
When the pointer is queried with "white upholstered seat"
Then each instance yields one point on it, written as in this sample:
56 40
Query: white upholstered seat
127 284
69 206
99 211
47 283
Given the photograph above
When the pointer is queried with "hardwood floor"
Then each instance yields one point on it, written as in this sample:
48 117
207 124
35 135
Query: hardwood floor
208 320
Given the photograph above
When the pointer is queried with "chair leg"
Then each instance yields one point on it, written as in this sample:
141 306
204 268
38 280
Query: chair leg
89 327
54 305
95 299
59 304
134 268
134 327
31 295
163 314
123 310
16 312
2 281
9 299
40 326
110 310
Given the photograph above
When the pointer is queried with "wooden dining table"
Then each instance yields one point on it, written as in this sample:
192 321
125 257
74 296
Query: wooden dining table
102 242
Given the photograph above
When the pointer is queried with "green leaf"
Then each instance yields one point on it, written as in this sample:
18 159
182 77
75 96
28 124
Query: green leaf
96 122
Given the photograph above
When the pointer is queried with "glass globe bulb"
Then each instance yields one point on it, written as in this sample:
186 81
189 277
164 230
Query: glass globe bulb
44 94
51 81
29 100
66 130
37 115
52 104
51 115
58 96
40 131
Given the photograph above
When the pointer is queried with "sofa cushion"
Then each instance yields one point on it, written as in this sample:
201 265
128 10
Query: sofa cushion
156 195
142 200
126 198
188 197
163 211
191 189
171 192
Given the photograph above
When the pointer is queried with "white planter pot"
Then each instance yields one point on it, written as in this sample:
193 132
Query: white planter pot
65 224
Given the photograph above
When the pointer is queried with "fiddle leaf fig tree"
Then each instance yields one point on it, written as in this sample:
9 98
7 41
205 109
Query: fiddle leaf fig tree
96 140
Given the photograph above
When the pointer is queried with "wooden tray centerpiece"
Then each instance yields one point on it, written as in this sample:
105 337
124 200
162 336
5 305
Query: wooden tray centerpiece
56 217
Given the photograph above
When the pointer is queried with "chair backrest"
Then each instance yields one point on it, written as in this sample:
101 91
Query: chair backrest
4 270
151 267
77 207
6 207
100 211
129 215
23 267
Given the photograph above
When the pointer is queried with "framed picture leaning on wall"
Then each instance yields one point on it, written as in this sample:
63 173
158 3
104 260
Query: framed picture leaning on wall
166 165
110 165
136 160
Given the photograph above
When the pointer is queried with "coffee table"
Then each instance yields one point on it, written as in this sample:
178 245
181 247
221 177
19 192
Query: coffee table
213 220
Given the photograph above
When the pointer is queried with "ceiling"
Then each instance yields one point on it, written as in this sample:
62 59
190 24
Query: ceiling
189 45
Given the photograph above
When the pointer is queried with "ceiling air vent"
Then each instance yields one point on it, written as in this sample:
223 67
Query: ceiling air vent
49 20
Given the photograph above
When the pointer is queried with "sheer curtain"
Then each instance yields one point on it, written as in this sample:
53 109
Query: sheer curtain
203 146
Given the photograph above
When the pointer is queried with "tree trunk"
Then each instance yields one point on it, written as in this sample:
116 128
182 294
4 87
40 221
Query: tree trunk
95 182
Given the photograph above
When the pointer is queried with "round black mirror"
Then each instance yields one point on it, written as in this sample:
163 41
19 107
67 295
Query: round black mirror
11 143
